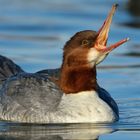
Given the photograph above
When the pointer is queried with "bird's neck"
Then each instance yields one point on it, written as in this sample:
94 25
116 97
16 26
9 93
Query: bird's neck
77 79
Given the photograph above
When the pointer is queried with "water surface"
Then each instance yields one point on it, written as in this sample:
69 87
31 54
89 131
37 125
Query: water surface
32 33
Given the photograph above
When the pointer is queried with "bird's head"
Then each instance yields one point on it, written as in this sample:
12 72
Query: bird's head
82 53
90 47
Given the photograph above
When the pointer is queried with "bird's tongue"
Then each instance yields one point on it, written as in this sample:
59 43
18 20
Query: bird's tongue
102 34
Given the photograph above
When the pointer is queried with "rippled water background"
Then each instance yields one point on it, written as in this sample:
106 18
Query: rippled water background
33 32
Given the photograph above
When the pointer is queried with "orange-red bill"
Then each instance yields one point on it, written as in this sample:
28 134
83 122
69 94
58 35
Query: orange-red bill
112 47
102 34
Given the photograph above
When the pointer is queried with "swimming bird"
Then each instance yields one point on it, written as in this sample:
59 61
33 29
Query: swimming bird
70 94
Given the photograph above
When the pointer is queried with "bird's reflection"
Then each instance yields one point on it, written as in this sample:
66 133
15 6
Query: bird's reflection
53 132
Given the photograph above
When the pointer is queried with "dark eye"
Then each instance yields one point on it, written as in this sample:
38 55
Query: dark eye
85 42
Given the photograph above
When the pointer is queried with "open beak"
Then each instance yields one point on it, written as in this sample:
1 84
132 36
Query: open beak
102 34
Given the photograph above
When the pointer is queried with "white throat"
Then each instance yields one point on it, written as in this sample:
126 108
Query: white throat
95 57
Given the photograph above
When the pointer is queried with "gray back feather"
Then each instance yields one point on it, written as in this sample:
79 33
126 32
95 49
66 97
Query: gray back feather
32 92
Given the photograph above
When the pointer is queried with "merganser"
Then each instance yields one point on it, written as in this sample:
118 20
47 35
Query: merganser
72 96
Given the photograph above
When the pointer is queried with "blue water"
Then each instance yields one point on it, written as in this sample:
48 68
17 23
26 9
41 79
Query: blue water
33 32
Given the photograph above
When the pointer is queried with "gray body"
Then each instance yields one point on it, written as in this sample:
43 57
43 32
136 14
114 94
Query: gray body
27 97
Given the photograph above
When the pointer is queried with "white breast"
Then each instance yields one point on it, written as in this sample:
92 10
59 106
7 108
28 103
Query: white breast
83 107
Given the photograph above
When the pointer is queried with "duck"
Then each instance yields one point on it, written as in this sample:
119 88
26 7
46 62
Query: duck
69 94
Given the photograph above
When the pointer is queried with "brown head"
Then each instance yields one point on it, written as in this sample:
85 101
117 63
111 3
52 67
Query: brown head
81 54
